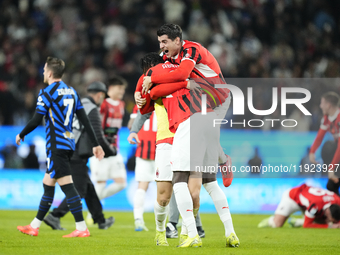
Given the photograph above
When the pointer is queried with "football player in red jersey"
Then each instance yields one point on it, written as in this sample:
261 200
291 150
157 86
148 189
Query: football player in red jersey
192 57
331 150
321 208
145 169
112 112
181 115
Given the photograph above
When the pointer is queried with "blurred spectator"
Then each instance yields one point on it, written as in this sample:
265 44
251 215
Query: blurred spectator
100 39
115 36
250 45
174 11
12 159
255 162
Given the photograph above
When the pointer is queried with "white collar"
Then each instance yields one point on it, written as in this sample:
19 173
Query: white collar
113 102
334 116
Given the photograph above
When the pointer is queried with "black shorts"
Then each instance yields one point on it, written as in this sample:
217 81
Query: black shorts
58 163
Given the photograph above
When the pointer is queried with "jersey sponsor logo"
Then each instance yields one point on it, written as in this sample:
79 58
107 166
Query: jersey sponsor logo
65 91
40 101
168 65
114 122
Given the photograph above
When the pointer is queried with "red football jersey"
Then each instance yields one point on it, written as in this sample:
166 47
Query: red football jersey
332 124
181 104
205 67
329 124
112 112
139 84
146 149
313 201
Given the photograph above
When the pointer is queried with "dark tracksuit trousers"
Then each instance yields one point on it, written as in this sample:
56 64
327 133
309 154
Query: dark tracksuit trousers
86 190
327 154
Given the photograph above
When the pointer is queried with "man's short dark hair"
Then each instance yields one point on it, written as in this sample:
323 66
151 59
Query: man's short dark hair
171 30
331 97
335 211
57 66
117 81
150 60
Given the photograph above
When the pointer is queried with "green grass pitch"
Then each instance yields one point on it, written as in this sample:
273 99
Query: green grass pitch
122 239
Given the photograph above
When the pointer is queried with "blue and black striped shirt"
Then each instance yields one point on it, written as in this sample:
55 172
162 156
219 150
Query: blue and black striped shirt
58 103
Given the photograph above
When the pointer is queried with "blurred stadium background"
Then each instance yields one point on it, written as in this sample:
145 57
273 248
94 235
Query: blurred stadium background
100 39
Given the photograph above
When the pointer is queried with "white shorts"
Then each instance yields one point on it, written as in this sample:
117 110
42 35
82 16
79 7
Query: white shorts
287 206
108 168
222 109
145 170
162 160
180 154
197 146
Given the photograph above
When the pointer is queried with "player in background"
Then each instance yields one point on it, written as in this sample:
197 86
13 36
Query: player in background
331 149
321 208
58 103
79 170
145 170
112 112
176 115
192 57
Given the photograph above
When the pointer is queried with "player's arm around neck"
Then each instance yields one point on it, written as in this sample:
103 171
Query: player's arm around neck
180 74
163 90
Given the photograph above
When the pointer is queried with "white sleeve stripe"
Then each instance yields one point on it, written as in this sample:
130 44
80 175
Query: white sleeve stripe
133 115
309 215
326 206
189 59
323 127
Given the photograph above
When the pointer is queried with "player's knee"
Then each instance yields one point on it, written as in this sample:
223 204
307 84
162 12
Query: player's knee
180 177
163 196
163 201
195 196
48 190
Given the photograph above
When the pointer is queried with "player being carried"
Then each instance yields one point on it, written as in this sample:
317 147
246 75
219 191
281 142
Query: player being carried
180 115
192 57
321 208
